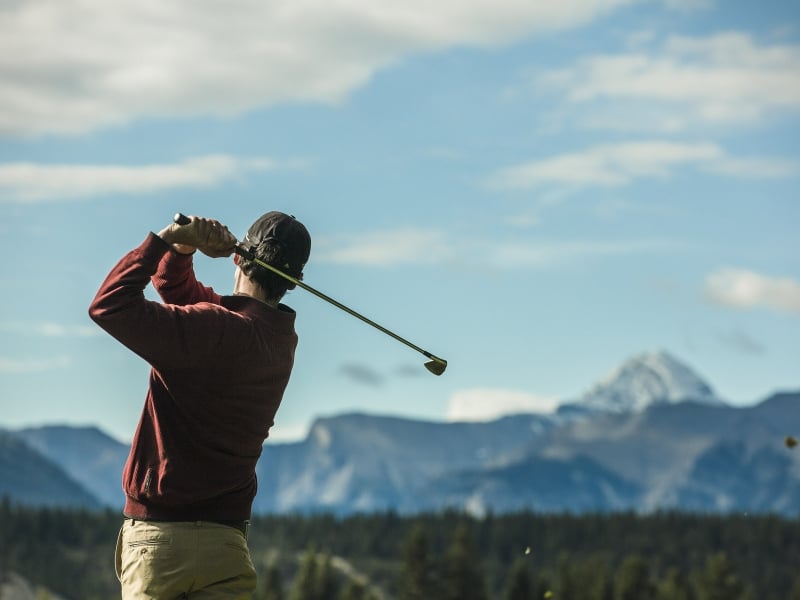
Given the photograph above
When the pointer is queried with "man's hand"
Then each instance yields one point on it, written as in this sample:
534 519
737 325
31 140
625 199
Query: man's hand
211 237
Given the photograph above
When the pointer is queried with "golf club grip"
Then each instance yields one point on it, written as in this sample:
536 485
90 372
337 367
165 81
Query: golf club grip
182 219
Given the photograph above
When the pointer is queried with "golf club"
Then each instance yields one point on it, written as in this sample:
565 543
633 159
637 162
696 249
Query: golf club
435 365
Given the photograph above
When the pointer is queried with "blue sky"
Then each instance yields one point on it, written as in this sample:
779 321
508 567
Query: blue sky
534 191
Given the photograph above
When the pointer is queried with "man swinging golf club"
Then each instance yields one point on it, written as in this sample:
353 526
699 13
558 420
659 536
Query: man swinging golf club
220 365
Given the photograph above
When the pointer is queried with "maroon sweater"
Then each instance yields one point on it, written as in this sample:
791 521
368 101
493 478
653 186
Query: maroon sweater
220 365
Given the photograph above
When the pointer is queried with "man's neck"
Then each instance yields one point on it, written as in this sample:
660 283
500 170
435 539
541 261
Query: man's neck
244 286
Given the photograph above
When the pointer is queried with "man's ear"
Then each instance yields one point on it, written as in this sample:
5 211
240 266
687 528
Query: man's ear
290 285
236 259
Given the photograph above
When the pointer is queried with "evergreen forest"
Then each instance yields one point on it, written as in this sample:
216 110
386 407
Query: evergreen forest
447 556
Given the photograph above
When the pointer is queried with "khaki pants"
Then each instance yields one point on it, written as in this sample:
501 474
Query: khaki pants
193 560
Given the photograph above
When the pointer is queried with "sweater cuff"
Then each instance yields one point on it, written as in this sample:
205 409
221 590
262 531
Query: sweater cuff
169 246
154 247
171 263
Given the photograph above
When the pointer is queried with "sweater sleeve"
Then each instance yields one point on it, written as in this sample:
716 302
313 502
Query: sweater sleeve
165 335
175 282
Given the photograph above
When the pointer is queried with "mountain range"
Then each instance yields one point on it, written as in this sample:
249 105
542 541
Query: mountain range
652 435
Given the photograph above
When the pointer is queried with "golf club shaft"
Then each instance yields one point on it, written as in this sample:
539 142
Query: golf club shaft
182 219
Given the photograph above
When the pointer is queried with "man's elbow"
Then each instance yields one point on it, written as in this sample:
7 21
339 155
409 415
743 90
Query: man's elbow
99 311
95 313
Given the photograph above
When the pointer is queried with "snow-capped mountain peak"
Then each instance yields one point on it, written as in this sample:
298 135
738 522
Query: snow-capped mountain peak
646 379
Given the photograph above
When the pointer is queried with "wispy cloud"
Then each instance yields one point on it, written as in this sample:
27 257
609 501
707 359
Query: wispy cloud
50 329
728 78
484 404
620 164
752 168
744 289
32 182
605 165
27 366
438 247
741 342
71 66
367 375
362 374
399 246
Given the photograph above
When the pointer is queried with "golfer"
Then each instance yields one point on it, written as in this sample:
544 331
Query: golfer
220 365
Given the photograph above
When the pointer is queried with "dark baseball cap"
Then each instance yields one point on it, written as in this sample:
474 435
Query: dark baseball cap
285 231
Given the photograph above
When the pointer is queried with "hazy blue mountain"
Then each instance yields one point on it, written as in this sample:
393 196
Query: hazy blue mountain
658 458
534 483
667 449
86 454
780 412
669 443
362 462
733 475
27 477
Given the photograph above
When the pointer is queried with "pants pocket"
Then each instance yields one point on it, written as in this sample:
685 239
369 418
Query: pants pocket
149 562
118 555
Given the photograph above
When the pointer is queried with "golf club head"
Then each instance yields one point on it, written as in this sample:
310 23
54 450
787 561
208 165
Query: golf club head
436 366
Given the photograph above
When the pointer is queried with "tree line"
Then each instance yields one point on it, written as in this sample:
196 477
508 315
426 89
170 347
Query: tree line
448 555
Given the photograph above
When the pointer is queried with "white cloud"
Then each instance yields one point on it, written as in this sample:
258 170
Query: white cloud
605 165
284 433
383 248
620 164
753 168
485 404
430 247
50 329
69 66
31 182
24 366
743 289
723 79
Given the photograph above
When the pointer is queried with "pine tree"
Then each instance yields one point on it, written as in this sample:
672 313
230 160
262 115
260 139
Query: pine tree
603 584
305 583
718 581
633 580
417 579
566 586
795 594
541 588
325 587
464 578
272 588
5 532
675 586
520 585
355 590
